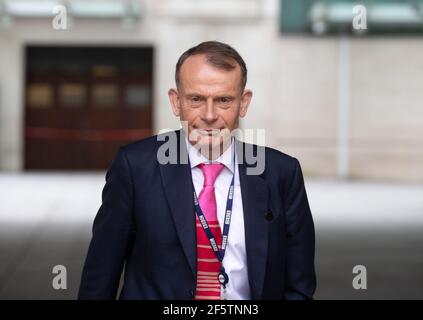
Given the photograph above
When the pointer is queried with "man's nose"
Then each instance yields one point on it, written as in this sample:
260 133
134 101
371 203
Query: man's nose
209 113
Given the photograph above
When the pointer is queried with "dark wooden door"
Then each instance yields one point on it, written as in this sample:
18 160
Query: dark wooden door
82 103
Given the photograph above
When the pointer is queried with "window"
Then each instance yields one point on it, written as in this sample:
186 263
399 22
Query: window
39 95
332 16
105 95
138 96
72 95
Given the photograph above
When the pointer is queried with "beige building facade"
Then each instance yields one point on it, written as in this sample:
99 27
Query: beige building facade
349 107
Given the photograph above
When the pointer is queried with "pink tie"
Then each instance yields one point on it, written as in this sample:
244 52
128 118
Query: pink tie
208 266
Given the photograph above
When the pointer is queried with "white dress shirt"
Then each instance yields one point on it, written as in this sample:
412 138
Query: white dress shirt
235 260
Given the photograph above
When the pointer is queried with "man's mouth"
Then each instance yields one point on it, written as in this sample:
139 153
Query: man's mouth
209 132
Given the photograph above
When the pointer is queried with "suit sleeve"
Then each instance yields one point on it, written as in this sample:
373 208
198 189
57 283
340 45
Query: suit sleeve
112 234
300 272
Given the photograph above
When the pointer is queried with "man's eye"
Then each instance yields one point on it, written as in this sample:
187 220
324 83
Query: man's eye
224 100
195 99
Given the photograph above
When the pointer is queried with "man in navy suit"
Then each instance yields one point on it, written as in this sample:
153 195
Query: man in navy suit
149 222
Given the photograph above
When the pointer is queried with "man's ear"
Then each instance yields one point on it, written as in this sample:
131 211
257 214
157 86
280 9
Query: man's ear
174 101
245 102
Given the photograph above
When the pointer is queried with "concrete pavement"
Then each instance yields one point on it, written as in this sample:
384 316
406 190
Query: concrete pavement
46 219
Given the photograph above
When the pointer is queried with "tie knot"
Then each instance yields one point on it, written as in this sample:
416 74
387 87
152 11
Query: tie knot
210 172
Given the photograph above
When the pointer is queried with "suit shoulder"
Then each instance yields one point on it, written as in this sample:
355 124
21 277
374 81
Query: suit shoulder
145 150
279 156
283 166
276 162
274 156
148 145
141 151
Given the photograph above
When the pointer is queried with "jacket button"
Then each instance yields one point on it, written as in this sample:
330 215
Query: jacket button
269 215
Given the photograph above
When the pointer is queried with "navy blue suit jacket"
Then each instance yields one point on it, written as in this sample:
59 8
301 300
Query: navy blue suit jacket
146 227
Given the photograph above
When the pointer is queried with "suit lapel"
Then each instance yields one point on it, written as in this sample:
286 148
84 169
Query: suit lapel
177 183
254 193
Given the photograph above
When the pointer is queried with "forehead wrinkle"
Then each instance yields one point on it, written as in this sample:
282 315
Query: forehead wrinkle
207 91
207 88
198 75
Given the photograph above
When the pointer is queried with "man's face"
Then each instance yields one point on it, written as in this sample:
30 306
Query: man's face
210 100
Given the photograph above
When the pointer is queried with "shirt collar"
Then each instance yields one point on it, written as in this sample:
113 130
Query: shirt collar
195 156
